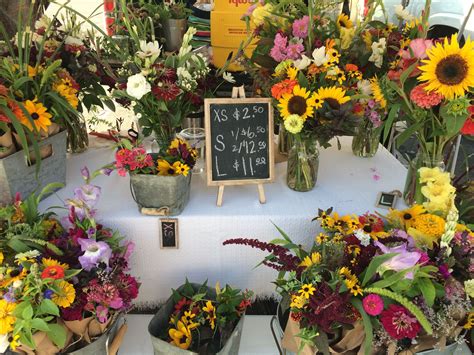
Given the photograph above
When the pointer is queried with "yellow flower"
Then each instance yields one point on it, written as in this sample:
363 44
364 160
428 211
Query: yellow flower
438 193
322 238
353 249
180 168
282 68
449 69
367 38
7 320
51 262
292 72
181 336
347 35
299 102
313 259
470 321
426 229
297 301
405 218
377 92
14 343
344 271
343 21
260 13
336 74
176 142
63 88
164 168
294 124
187 320
66 295
39 114
211 310
354 287
1 258
434 175
307 290
334 96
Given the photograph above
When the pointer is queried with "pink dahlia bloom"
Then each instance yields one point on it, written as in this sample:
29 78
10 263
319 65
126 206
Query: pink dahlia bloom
373 304
423 98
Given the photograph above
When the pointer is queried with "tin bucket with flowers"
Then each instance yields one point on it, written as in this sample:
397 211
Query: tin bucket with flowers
198 319
159 183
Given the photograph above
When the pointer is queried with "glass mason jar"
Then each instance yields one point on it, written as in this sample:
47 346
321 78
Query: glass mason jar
303 164
285 140
77 136
366 140
412 192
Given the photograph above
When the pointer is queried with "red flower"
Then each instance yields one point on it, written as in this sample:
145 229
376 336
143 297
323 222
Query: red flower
3 90
468 128
399 323
166 90
53 272
165 73
371 223
423 98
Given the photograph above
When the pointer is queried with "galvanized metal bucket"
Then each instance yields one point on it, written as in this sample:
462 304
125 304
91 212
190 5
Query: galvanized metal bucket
174 31
161 321
160 195
17 175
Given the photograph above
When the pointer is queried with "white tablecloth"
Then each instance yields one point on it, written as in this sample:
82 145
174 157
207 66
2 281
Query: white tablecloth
345 182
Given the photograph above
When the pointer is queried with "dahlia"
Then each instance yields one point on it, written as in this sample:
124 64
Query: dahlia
423 98
166 90
399 323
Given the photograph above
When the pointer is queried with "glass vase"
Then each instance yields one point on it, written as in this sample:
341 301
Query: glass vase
285 140
303 164
412 192
366 140
77 137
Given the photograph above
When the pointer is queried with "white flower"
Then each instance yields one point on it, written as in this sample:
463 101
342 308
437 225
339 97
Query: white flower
228 77
363 237
4 343
43 22
73 41
303 63
402 13
150 50
185 47
17 283
319 56
469 287
92 68
138 86
364 87
378 49
139 115
27 38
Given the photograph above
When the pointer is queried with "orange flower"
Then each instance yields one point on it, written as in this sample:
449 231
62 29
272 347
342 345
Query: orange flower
53 272
284 87
315 70
351 67
330 43
3 90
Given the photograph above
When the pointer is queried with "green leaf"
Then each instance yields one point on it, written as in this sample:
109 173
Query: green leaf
49 307
48 189
427 289
453 123
389 122
367 325
406 73
39 324
391 279
49 71
57 334
27 312
374 265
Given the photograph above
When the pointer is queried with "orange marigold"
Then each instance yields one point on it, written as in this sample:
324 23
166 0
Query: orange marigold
282 88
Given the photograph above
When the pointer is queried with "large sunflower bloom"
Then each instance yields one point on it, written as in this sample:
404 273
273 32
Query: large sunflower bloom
449 69
298 102
7 320
39 114
344 21
377 92
333 95
66 295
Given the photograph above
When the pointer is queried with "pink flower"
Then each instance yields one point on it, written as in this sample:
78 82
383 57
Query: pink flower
399 323
417 49
373 304
278 52
102 313
294 50
300 27
423 98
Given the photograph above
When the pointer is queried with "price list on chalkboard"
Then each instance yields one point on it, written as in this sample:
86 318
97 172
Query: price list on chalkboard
239 139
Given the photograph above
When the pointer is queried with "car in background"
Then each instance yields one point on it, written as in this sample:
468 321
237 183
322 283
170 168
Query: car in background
446 16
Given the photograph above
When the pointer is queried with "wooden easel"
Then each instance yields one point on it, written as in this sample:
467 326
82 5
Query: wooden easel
239 92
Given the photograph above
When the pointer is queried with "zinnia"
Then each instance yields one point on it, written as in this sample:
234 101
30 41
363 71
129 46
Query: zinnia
425 99
399 323
373 304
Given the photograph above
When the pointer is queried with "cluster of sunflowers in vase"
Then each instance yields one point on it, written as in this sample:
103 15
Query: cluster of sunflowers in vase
404 279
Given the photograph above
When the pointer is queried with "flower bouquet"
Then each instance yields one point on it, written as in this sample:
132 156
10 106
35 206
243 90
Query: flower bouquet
369 283
159 183
198 319
427 87
64 284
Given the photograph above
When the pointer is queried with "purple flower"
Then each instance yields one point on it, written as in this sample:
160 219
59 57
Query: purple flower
444 271
404 260
106 171
10 295
47 294
102 312
85 174
300 27
94 253
89 194
91 232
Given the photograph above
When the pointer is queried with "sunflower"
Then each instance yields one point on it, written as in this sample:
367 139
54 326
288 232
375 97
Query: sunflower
344 21
449 69
39 114
165 168
333 95
13 275
180 168
6 316
299 102
63 88
313 259
307 290
377 92
65 295
52 262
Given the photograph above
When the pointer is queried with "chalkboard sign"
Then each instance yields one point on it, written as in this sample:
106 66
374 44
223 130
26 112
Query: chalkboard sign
239 141
169 233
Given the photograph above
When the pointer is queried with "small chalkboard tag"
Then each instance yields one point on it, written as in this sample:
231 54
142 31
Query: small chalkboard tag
387 199
239 142
169 236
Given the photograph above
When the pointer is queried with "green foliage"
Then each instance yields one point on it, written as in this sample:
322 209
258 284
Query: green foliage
374 265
